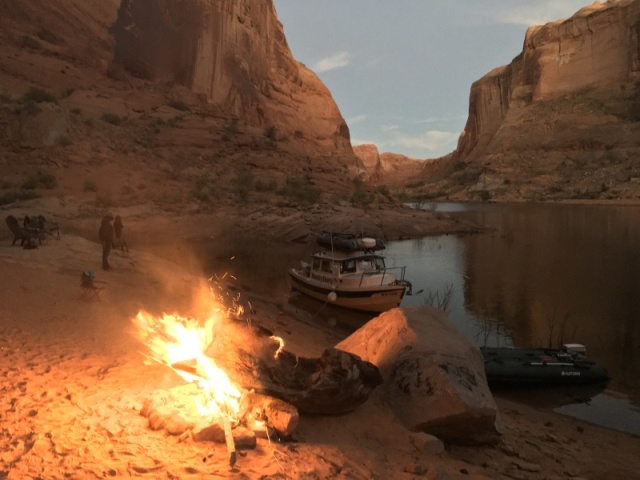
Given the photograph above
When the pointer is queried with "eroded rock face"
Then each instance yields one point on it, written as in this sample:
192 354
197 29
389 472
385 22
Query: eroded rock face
433 376
235 53
595 53
387 168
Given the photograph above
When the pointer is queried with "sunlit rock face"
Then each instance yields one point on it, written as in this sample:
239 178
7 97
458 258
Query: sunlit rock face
234 53
370 158
387 168
582 72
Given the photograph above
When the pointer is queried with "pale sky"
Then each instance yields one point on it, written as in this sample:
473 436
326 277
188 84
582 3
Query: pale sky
401 71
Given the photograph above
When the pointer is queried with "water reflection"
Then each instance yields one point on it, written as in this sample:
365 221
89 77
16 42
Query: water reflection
543 275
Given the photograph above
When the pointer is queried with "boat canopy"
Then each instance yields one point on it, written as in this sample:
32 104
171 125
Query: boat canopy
349 242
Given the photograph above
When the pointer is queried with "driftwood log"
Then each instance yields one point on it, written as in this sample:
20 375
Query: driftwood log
337 382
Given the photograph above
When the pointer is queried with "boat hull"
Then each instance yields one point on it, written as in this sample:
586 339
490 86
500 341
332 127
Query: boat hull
376 299
518 367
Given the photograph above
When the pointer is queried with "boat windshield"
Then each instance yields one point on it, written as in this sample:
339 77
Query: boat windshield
348 266
371 263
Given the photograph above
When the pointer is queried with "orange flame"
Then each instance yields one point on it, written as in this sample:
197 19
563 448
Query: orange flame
172 340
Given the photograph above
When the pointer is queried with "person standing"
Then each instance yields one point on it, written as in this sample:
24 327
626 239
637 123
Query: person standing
119 242
106 238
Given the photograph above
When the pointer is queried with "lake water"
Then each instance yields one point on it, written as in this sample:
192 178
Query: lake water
542 276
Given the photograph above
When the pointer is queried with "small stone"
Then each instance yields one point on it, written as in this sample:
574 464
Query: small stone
426 443
213 432
415 468
176 425
159 417
244 438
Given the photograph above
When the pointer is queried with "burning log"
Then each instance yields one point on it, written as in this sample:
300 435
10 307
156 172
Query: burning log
253 358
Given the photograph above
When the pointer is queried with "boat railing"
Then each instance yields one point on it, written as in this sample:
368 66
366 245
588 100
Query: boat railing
383 273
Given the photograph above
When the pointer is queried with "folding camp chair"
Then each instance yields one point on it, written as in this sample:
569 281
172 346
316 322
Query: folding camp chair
88 285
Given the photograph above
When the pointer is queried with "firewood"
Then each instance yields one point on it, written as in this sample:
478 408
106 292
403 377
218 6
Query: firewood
337 382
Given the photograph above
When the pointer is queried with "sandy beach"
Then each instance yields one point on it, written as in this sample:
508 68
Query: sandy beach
74 380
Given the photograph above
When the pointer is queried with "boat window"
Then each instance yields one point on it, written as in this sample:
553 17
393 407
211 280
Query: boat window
348 266
317 263
326 266
365 264
379 263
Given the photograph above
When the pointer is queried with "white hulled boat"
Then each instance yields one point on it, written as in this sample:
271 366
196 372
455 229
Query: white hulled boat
348 272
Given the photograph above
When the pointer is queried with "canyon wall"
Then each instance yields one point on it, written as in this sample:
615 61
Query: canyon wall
388 168
596 49
234 53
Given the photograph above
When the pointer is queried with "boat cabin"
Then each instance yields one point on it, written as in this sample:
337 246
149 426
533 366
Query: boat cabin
352 264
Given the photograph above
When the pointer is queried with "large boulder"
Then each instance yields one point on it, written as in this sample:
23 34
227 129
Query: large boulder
434 378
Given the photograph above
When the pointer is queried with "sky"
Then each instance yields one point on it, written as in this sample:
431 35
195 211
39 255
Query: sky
401 71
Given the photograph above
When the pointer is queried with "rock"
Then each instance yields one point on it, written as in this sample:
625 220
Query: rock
244 438
573 88
426 443
234 53
159 417
433 376
213 432
176 425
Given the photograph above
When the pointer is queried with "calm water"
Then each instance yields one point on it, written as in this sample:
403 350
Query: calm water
544 275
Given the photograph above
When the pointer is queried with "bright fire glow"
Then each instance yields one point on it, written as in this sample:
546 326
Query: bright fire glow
180 343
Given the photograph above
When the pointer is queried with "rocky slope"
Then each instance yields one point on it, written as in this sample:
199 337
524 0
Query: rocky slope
235 54
562 120
148 100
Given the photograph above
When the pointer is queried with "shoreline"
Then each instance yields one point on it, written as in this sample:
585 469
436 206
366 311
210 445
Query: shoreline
75 376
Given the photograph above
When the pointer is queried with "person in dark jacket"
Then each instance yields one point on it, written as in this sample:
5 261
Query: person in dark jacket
106 238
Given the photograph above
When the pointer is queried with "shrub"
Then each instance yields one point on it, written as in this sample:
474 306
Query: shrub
64 141
179 105
90 186
40 180
231 129
38 95
243 182
270 186
204 189
271 133
13 196
111 118
103 201
303 192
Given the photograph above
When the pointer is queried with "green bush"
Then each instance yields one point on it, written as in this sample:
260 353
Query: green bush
301 191
90 186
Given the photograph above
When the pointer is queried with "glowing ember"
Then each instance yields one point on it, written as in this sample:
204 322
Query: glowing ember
180 343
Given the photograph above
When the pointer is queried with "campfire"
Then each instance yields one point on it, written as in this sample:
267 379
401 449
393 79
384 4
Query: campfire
240 382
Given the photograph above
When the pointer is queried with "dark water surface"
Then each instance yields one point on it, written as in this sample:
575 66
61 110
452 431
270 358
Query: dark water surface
544 275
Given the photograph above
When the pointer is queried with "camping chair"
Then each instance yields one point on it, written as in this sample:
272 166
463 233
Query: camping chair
88 285
25 235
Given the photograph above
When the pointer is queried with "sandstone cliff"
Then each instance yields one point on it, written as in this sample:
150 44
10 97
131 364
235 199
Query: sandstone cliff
235 54
200 98
562 120
388 168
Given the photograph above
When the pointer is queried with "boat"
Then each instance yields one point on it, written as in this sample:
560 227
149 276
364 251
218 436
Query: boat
348 272
509 366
